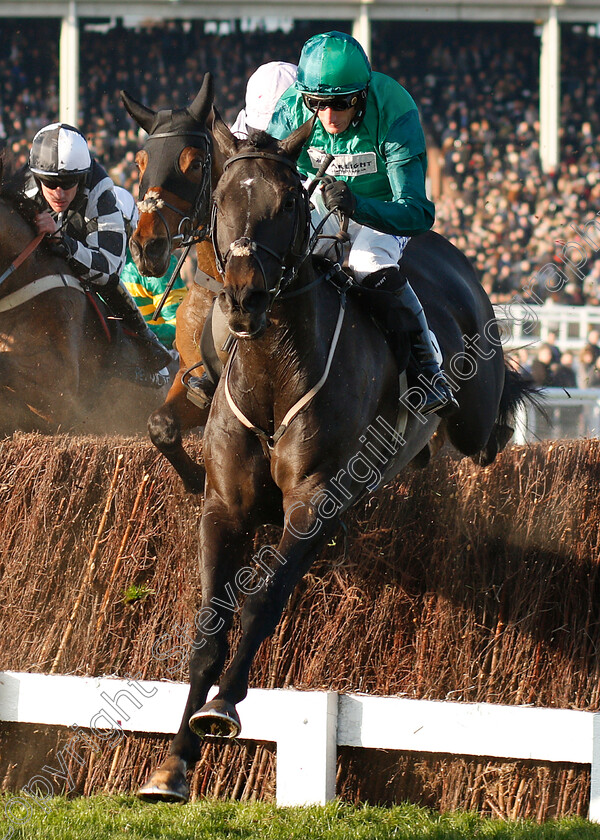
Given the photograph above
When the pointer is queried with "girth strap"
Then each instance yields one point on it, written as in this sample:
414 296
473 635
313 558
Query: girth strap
269 441
201 278
37 287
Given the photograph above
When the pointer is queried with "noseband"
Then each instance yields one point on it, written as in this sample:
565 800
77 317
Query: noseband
292 258
199 196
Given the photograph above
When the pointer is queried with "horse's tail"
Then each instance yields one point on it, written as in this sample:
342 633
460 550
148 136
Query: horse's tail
519 389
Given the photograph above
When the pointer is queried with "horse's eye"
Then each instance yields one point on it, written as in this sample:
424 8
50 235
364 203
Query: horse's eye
289 203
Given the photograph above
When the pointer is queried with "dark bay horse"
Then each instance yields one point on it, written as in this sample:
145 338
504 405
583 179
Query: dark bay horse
179 167
306 418
60 364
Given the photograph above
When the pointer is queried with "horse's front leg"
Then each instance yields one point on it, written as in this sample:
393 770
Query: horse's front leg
223 540
165 426
279 570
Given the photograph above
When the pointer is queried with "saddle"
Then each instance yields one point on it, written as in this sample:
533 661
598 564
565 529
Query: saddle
122 343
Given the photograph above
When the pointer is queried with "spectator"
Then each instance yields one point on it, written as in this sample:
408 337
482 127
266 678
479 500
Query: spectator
563 373
541 367
594 378
587 361
593 340
551 339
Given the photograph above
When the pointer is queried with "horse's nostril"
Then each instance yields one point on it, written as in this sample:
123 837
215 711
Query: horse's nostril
255 301
155 248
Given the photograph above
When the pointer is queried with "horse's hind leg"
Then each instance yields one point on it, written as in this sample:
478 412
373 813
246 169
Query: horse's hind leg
165 426
471 429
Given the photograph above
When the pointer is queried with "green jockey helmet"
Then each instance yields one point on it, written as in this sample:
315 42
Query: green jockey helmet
332 64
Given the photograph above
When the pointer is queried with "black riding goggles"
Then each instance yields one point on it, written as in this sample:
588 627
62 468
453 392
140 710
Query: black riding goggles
336 103
65 182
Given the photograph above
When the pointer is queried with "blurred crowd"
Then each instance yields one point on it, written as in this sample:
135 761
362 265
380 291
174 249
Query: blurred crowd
476 86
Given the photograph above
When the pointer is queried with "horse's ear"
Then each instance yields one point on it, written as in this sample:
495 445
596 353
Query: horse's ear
227 143
200 107
143 116
293 143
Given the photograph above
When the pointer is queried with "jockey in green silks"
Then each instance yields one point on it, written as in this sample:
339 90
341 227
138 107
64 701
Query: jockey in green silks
371 125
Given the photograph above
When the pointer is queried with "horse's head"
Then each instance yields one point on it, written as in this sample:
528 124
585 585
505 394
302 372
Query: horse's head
260 224
177 173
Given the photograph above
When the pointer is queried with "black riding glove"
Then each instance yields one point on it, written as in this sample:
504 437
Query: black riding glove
58 247
337 195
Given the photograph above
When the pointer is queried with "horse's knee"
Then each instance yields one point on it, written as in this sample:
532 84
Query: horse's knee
164 429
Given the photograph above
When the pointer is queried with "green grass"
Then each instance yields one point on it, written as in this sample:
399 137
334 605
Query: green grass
121 817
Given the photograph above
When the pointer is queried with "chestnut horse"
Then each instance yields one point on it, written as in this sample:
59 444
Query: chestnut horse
61 364
178 169
307 416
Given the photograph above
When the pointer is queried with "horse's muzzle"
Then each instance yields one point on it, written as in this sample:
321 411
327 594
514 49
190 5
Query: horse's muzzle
245 310
152 256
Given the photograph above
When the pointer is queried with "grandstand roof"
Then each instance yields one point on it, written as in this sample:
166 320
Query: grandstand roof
505 10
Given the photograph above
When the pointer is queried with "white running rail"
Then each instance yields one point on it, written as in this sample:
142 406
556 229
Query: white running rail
307 726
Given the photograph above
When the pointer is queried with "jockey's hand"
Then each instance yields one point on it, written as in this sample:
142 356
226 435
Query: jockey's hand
45 223
337 195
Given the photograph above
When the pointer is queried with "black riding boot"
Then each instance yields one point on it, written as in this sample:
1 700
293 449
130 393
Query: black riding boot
123 306
398 298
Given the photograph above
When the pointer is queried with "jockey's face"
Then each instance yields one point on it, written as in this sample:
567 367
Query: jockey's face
58 198
334 122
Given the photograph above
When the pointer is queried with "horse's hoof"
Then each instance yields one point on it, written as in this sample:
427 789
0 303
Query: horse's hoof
217 719
167 784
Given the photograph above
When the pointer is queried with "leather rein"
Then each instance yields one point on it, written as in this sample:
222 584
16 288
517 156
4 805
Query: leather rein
34 287
27 250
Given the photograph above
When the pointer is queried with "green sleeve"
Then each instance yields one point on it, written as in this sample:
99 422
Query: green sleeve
409 211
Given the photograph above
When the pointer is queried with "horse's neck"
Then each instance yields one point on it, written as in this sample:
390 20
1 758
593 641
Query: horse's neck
16 236
294 349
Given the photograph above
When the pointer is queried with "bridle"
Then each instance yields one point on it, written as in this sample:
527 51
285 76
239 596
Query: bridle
300 247
292 256
191 229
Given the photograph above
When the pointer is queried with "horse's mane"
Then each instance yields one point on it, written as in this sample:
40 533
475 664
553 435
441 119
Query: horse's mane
259 141
25 206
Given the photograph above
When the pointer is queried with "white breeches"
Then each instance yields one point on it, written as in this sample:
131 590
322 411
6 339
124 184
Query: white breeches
370 249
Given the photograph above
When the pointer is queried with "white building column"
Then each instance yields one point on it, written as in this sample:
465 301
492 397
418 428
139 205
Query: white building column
550 91
69 67
361 29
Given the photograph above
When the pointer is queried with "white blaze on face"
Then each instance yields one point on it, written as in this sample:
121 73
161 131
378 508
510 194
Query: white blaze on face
247 185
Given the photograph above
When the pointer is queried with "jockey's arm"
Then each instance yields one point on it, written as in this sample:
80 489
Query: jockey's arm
408 211
101 254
